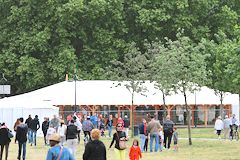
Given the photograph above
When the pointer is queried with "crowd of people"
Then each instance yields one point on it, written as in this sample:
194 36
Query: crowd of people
228 126
64 136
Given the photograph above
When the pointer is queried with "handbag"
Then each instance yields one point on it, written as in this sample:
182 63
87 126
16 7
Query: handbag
122 143
10 135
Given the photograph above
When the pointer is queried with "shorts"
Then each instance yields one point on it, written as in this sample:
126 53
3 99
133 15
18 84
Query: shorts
218 132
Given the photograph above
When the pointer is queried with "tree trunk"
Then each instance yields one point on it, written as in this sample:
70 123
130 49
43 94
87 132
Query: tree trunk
239 107
188 118
221 106
164 106
132 116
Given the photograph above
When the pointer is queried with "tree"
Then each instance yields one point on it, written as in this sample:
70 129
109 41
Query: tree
160 73
186 67
217 65
233 67
131 73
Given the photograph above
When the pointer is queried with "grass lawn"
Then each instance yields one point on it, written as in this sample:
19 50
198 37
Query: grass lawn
201 149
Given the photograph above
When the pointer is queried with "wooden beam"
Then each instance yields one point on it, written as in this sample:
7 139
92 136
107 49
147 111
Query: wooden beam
192 113
205 115
119 112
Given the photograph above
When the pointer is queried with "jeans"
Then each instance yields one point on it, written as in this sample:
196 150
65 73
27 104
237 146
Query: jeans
152 137
33 136
6 150
109 131
29 135
142 141
21 148
167 137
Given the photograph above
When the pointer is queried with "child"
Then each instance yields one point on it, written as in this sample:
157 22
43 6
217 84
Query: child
161 138
135 151
175 139
146 143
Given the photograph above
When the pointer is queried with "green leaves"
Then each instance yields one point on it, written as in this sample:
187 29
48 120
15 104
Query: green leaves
54 33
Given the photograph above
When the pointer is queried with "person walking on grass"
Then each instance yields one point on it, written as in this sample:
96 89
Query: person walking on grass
62 132
142 133
95 149
45 126
55 122
167 131
4 140
226 127
21 135
15 128
153 128
50 132
71 136
175 139
28 121
87 127
77 123
119 137
109 125
58 152
135 151
219 126
34 126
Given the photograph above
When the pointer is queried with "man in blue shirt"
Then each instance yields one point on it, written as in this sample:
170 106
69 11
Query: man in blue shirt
57 152
94 120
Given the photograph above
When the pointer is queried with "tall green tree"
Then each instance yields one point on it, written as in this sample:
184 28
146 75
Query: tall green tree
131 73
233 67
187 68
159 72
218 62
41 40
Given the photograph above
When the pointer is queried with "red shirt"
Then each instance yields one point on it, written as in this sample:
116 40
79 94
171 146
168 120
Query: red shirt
135 153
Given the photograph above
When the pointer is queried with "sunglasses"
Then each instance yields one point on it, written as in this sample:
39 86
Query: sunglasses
119 126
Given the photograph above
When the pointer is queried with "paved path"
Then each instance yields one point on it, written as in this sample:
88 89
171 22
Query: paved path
205 139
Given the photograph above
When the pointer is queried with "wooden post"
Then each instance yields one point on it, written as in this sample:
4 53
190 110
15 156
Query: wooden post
168 110
61 110
156 111
119 112
93 109
205 115
192 110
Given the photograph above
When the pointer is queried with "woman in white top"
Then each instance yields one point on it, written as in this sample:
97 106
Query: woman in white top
219 126
50 132
62 132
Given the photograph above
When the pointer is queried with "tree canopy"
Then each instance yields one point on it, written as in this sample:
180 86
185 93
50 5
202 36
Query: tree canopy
40 41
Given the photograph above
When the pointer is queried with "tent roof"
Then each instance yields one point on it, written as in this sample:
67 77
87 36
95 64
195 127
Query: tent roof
104 92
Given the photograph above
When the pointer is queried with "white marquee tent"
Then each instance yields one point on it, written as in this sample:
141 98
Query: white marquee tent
17 106
99 92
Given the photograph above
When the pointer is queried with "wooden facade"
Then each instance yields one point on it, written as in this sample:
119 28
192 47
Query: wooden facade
155 109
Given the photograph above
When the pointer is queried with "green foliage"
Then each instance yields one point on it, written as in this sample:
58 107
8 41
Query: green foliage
54 34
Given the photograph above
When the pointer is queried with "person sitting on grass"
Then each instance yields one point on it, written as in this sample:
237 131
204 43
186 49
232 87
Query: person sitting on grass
58 152
135 151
